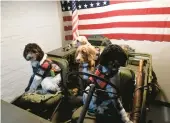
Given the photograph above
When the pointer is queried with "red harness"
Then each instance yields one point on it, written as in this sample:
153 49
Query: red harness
100 83
48 68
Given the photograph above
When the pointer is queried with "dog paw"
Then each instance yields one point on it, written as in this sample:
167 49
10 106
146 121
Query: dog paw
30 91
43 92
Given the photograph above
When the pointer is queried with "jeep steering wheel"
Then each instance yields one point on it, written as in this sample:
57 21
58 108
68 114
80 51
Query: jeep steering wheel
91 91
78 74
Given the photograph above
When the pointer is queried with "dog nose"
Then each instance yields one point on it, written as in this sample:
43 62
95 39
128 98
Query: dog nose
77 60
29 58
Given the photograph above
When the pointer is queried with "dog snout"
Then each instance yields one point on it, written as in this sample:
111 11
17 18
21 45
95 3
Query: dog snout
78 60
29 57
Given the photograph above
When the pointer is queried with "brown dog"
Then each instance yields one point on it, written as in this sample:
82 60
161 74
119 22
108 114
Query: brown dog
86 54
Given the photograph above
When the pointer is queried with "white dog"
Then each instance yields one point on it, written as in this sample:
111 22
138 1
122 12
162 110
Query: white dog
80 40
46 73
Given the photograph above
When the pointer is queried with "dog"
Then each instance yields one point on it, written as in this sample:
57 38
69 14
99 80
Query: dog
45 72
86 55
80 40
112 57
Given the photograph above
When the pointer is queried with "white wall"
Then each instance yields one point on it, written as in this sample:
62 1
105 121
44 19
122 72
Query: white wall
22 23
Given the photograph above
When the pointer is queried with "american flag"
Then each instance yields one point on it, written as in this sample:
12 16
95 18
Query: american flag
124 19
74 20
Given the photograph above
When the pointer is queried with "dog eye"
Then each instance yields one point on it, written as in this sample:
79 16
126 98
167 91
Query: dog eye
33 51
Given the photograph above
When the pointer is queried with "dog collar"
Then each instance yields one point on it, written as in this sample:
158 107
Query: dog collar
43 59
84 65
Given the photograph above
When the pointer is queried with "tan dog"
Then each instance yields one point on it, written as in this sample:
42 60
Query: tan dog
86 54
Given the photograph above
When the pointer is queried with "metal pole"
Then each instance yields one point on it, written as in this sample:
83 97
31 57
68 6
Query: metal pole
86 105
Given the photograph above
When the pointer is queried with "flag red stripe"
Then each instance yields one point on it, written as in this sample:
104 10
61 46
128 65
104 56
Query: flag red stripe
152 37
67 28
157 24
144 11
68 37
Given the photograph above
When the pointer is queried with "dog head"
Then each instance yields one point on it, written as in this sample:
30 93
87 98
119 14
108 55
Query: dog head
113 56
33 52
81 40
85 53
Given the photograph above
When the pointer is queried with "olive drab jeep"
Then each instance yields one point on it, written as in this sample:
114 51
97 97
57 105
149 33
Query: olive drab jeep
66 106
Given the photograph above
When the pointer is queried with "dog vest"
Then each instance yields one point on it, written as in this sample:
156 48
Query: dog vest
105 103
47 68
84 68
101 73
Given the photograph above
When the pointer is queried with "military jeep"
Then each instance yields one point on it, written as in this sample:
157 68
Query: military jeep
67 105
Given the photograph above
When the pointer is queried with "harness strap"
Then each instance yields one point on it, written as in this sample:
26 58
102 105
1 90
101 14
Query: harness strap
101 84
47 68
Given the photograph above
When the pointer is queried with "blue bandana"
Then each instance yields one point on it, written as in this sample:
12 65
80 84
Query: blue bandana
85 69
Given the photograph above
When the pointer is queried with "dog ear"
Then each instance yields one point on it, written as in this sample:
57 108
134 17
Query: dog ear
91 53
84 50
24 53
84 40
92 50
26 50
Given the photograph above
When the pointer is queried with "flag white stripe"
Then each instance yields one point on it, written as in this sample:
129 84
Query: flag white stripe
123 30
130 18
123 6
